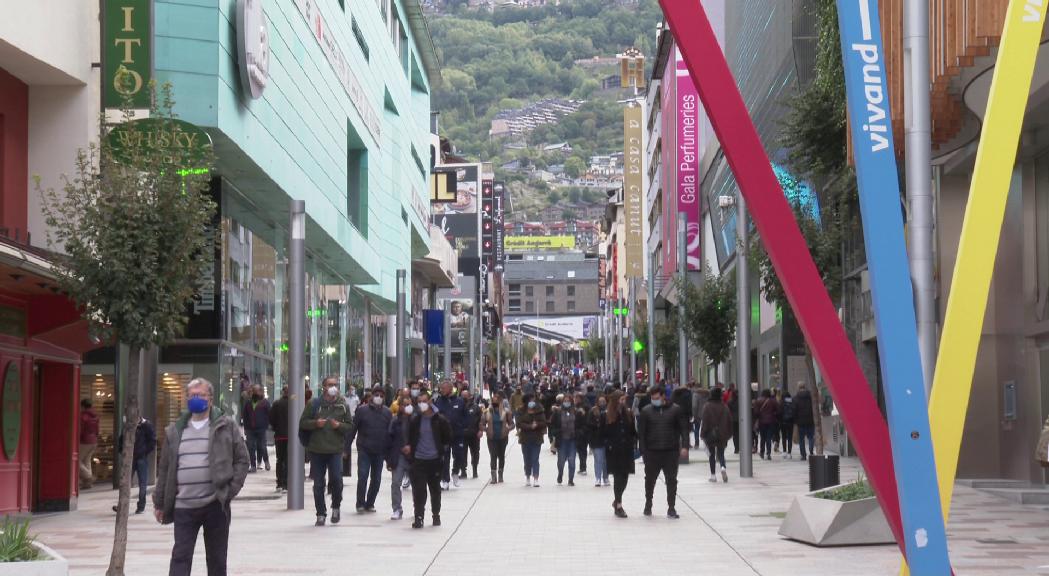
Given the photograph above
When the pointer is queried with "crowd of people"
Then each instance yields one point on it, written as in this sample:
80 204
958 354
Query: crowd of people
428 440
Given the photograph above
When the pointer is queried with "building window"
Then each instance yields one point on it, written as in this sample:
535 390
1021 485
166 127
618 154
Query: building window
529 291
571 291
515 304
530 306
359 36
515 290
342 4
356 180
571 305
549 290
549 305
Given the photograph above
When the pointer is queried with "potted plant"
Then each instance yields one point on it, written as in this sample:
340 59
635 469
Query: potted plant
844 515
22 555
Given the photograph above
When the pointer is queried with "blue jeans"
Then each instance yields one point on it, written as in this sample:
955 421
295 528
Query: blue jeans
330 464
566 453
806 433
141 468
257 452
531 458
369 468
695 432
600 464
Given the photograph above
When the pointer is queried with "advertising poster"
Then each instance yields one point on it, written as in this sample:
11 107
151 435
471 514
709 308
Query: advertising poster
632 194
688 110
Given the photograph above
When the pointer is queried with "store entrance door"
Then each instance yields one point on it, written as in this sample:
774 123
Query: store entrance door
54 429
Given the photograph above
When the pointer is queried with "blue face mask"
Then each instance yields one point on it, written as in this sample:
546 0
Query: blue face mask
197 405
657 403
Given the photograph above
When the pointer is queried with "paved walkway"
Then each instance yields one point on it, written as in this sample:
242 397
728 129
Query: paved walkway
510 529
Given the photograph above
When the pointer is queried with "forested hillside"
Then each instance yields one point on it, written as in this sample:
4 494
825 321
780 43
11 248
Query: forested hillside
513 56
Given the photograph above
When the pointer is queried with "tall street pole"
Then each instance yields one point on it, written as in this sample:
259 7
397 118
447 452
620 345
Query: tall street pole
746 457
398 378
917 117
651 321
682 268
296 349
619 342
447 341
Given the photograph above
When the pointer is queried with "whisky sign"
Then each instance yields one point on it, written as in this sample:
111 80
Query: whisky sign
127 65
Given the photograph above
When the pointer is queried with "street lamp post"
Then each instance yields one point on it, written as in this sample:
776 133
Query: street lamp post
296 348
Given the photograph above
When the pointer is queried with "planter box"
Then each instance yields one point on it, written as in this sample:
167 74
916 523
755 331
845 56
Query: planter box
822 522
53 565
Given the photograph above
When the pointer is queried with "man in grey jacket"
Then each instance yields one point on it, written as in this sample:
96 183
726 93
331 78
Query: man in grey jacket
371 428
202 469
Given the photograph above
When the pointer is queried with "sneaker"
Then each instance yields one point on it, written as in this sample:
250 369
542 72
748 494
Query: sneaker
605 483
418 523
444 485
140 510
463 474
407 482
252 470
560 480
335 516
360 509
369 509
597 483
320 520
724 474
582 472
713 479
267 466
570 483
397 515
278 490
436 519
455 480
535 482
672 514
528 481
620 513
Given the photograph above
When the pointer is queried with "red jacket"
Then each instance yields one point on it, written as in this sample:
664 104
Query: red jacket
88 427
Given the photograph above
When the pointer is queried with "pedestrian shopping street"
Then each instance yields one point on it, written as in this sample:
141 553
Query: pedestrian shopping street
510 529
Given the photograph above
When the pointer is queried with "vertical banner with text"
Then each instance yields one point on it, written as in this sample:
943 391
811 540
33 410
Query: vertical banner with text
498 236
632 201
487 235
688 161
127 42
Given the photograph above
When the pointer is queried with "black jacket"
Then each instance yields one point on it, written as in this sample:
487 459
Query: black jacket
398 437
279 419
803 408
442 433
454 411
145 439
473 418
579 427
663 428
371 428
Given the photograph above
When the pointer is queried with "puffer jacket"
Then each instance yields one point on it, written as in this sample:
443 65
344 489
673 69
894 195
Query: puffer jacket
662 428
227 458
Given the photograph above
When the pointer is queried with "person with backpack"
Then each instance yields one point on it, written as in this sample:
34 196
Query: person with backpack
715 430
804 419
786 425
323 428
767 412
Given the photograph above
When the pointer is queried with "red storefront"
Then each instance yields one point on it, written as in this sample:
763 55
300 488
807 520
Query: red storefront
41 341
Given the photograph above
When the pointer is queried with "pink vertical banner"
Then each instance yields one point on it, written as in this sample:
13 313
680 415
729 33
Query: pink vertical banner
668 159
688 127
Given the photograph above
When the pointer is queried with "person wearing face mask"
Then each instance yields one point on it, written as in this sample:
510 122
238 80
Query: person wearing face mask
371 427
428 435
396 461
497 422
454 410
663 433
255 417
619 435
597 446
200 472
565 423
327 421
582 432
531 427
472 431
404 398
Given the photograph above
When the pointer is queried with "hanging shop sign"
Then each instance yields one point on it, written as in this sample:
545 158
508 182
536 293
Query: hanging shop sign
253 47
632 201
11 414
688 161
127 63
159 134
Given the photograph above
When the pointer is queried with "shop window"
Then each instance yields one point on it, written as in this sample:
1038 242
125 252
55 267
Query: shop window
356 180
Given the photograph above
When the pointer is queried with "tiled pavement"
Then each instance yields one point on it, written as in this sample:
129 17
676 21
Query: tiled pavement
510 529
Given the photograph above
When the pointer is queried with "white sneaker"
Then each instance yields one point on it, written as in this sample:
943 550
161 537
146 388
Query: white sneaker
597 483
444 485
606 483
535 482
455 481
528 481
407 482
713 479
397 515
724 474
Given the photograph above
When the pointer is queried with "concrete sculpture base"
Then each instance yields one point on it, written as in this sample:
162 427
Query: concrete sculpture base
50 564
822 522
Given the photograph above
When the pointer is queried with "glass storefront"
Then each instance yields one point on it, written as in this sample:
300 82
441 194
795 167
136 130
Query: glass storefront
98 386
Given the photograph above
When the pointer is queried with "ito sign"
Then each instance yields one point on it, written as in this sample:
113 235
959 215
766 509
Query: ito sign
127 53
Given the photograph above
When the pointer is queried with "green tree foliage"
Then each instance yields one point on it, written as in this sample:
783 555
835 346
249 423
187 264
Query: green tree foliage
575 167
595 349
667 342
710 315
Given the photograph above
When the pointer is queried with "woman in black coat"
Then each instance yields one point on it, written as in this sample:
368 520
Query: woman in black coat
619 435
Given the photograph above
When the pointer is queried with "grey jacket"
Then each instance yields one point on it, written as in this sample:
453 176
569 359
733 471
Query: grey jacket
227 457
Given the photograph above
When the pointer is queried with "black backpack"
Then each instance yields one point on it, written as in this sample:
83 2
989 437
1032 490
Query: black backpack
304 435
788 410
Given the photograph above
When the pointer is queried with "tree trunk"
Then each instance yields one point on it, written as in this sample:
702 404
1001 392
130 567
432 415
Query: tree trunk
817 414
127 450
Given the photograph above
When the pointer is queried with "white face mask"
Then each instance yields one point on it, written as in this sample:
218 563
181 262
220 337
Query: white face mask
333 391
377 400
409 409
424 406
